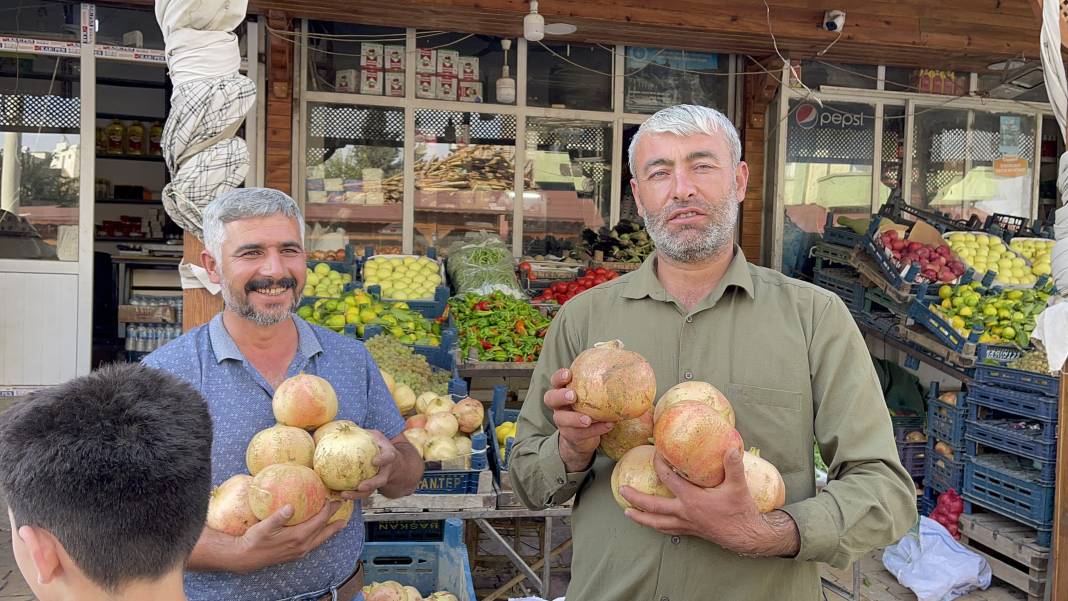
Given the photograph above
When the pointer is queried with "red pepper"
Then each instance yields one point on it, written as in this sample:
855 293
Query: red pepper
485 345
482 306
520 328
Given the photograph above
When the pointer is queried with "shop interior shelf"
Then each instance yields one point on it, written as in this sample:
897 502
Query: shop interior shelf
998 484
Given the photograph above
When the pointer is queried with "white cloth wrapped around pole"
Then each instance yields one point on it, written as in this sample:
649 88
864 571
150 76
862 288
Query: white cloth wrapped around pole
1057 91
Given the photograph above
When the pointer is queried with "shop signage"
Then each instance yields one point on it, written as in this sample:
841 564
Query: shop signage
143 55
674 59
40 46
808 115
1010 166
1009 139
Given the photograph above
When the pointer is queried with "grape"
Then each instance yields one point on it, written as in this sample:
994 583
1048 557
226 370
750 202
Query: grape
407 366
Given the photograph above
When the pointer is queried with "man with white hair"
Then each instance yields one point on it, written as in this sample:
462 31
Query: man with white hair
790 360
254 248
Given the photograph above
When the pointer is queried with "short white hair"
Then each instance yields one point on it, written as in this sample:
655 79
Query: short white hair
689 120
245 203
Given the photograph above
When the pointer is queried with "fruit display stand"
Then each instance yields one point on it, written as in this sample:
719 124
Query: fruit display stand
428 565
944 468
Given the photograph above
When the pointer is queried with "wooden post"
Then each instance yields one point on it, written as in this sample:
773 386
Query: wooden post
1059 578
199 305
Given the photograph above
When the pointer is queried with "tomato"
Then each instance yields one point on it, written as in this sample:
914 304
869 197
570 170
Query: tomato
599 280
559 286
531 277
613 275
600 271
524 266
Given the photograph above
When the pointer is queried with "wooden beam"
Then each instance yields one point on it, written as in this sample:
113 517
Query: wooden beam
198 305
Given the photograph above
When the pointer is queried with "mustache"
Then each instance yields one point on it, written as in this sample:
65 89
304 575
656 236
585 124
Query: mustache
286 282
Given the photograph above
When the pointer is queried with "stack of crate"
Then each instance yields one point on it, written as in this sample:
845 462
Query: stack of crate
944 468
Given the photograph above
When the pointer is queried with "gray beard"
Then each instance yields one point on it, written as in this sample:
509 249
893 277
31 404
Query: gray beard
694 244
243 308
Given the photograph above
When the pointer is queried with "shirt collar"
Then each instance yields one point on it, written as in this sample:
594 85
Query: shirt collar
643 282
224 347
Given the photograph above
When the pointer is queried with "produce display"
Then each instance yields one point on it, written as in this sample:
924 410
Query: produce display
561 292
627 242
280 470
937 263
391 590
324 281
1033 361
471 167
327 255
482 266
440 429
1036 250
403 278
498 327
1006 316
403 367
947 511
360 309
984 252
538 248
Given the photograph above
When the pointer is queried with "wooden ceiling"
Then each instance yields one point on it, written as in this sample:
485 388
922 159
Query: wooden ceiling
958 34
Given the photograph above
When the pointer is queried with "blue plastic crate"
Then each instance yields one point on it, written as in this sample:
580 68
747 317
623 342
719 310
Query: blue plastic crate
842 236
338 266
1014 402
991 369
1044 470
943 331
942 473
456 481
997 483
408 530
944 421
904 280
499 415
843 282
427 565
1027 437
431 309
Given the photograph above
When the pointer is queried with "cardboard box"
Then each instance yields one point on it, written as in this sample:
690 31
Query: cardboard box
446 88
147 314
395 84
426 61
470 91
316 196
345 80
469 68
371 81
426 86
371 55
448 63
394 56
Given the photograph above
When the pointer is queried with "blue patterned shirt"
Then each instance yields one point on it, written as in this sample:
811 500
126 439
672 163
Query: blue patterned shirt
240 403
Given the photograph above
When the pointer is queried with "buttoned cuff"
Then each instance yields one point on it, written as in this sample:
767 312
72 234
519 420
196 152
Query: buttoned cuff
818 528
560 484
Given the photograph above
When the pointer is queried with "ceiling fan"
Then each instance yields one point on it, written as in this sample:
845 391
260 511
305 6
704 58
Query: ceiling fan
534 27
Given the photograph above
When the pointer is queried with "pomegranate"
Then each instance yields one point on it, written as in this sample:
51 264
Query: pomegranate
441 596
304 401
627 434
695 391
330 428
389 590
442 424
469 414
635 469
694 438
345 458
764 482
428 403
463 449
279 444
440 448
344 512
415 421
228 509
412 593
284 484
404 398
612 384
388 378
418 438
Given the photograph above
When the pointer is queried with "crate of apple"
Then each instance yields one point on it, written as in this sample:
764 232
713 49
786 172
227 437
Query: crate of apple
936 263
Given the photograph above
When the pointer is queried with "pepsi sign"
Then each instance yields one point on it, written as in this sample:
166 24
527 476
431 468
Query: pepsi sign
808 115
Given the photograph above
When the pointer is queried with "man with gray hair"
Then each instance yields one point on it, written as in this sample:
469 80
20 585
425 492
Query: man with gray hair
789 358
254 248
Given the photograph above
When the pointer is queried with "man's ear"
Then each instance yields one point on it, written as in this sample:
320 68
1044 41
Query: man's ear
211 265
45 552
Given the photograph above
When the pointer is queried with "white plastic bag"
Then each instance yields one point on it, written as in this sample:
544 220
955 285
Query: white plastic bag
936 567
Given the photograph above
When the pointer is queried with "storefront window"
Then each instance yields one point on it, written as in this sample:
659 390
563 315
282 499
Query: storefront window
354 183
1052 147
355 59
569 76
569 165
128 27
820 73
44 20
464 176
463 67
979 170
829 166
655 78
628 209
893 126
40 114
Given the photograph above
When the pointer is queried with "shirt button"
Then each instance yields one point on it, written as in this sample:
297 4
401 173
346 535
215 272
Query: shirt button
559 480
664 598
689 319
688 375
675 540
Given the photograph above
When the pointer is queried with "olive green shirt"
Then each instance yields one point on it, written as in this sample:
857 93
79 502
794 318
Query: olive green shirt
790 359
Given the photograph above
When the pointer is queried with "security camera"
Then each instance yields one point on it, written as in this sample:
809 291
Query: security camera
834 20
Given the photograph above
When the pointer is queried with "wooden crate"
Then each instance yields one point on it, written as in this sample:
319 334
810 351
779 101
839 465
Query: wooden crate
1011 550
485 498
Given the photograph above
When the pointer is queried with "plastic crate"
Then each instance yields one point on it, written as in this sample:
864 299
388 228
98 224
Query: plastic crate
991 369
942 473
1005 226
943 331
999 484
842 236
878 297
499 415
338 266
427 565
843 282
944 421
1014 402
1002 431
408 530
431 309
912 454
439 481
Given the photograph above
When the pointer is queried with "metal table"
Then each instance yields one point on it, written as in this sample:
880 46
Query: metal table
480 517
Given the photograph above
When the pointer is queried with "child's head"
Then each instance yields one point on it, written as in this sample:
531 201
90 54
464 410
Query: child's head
107 479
